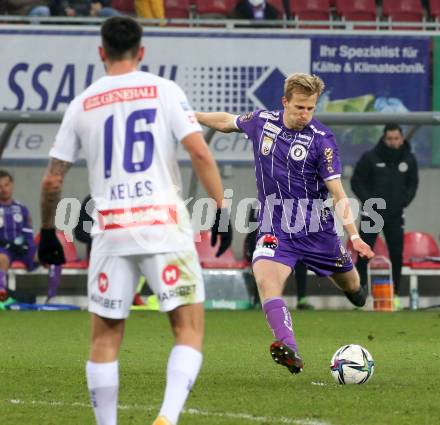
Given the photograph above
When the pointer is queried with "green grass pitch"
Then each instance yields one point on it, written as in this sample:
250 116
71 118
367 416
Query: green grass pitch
42 357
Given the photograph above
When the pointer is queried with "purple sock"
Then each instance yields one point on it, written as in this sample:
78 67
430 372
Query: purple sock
280 321
54 280
3 280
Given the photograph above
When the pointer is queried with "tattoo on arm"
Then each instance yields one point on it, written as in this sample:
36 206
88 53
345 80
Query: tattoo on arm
58 168
51 190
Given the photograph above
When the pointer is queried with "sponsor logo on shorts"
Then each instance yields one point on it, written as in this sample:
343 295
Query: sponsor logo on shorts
298 152
102 282
268 241
106 302
266 246
344 258
179 292
170 274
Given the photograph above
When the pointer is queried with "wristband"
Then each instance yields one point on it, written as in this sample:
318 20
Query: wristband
354 237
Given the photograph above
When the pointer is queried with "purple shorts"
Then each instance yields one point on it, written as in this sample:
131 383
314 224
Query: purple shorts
27 260
322 252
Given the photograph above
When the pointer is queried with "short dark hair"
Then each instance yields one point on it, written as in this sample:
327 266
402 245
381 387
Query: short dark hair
392 127
121 37
4 173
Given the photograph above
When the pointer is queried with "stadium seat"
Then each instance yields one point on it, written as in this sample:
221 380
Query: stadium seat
207 257
403 11
278 5
417 246
311 10
434 9
177 9
381 259
72 259
17 265
214 8
357 10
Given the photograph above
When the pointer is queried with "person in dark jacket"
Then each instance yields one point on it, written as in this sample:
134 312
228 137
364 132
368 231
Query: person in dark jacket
389 171
254 10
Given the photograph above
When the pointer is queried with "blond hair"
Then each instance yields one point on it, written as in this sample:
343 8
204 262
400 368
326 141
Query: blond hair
303 84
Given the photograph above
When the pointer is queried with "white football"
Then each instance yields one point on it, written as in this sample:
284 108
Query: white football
352 364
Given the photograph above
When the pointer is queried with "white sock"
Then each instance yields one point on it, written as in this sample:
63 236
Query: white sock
103 384
182 370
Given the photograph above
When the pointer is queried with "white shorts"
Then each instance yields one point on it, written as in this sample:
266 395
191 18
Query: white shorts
175 277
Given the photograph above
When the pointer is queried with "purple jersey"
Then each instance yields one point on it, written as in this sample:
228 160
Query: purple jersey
291 168
15 224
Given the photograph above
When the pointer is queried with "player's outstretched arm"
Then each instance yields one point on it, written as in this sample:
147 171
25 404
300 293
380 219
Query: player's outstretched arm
343 211
221 121
207 172
50 250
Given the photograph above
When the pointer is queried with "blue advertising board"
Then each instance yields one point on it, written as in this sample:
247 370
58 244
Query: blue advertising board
374 74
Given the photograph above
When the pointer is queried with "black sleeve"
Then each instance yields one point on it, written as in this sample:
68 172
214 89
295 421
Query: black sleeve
360 177
79 232
412 182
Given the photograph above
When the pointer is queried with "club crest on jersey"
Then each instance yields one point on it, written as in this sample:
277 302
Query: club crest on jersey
266 146
298 152
272 128
266 246
18 218
403 167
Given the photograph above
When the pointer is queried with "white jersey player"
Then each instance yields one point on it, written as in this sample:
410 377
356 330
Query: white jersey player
127 124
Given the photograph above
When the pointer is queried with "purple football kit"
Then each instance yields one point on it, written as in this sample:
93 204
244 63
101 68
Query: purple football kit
15 227
291 168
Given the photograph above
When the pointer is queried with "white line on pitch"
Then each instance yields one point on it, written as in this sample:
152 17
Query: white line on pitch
195 412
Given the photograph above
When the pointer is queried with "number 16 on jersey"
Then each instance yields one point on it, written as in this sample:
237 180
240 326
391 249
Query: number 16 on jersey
133 138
